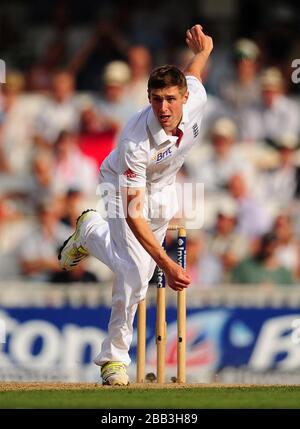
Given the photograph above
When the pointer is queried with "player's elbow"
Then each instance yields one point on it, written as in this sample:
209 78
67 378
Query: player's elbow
133 219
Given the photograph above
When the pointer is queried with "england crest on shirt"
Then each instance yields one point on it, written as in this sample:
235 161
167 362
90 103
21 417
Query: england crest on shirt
195 128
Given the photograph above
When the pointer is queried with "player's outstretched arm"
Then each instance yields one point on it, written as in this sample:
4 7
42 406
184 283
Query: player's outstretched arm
201 45
133 201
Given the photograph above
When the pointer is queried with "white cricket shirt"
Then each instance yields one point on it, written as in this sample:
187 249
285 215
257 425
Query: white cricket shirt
146 155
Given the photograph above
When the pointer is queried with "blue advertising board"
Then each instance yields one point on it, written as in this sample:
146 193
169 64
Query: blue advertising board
60 343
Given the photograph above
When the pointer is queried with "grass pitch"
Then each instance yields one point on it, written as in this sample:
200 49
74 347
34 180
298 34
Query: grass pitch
81 396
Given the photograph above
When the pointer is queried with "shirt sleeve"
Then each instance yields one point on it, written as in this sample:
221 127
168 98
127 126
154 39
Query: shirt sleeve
133 161
198 96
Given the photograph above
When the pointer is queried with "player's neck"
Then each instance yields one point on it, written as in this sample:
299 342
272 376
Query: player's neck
174 132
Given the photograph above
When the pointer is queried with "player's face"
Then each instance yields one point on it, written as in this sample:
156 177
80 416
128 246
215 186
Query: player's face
167 106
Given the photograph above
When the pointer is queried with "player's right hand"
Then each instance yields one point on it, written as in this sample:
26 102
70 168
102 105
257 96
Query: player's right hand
176 277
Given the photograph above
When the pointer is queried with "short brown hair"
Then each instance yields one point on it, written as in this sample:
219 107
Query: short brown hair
165 76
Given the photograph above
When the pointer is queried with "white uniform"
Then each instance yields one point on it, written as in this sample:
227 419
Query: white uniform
145 156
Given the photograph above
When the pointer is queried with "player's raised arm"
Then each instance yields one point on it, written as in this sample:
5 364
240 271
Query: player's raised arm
201 45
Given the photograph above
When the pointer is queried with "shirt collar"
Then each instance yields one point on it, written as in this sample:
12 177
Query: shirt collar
157 132
185 117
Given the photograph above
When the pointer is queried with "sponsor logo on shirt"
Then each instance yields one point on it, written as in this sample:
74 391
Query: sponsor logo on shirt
129 173
195 129
161 156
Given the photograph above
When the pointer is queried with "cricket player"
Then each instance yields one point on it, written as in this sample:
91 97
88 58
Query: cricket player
139 181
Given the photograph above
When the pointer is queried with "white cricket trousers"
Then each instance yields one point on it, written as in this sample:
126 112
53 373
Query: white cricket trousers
113 243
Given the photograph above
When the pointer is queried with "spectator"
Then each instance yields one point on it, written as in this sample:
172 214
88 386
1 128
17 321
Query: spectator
244 89
288 249
38 250
72 207
223 160
275 115
93 123
39 75
37 186
97 135
12 223
106 43
113 104
8 212
72 168
139 60
264 268
59 112
15 127
253 217
224 242
50 44
284 179
205 268
41 183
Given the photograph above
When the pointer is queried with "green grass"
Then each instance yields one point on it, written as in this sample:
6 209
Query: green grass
212 397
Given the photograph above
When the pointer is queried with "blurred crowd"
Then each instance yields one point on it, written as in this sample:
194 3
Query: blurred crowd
61 116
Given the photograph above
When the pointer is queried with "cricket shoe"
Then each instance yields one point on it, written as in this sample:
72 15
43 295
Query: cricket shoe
72 251
114 374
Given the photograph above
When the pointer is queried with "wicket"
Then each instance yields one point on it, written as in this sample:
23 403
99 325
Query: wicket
161 325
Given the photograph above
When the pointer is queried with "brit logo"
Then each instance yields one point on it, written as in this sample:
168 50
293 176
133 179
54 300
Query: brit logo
195 130
160 156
